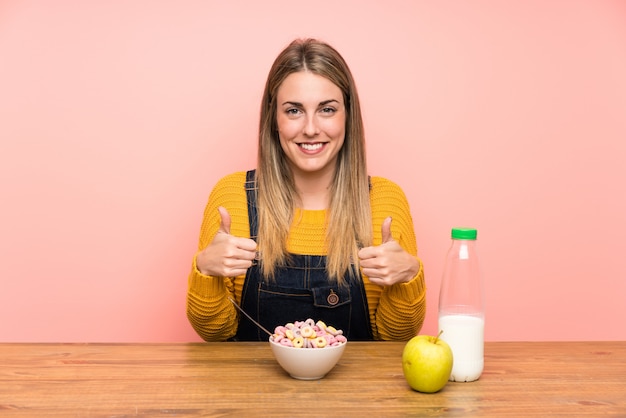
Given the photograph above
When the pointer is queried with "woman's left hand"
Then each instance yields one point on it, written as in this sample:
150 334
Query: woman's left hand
388 263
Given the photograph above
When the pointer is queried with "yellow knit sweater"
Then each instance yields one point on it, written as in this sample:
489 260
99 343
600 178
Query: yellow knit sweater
396 312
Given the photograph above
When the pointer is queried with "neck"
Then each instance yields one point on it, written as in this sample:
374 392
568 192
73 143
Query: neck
313 190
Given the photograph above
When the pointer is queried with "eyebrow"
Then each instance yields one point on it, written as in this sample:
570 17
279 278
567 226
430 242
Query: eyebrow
322 103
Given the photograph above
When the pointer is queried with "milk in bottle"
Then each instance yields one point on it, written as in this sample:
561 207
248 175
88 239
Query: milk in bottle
461 308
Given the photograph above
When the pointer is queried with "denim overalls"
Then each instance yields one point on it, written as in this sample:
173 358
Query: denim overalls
299 291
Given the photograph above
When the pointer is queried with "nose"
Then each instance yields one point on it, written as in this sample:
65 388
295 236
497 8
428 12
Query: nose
311 127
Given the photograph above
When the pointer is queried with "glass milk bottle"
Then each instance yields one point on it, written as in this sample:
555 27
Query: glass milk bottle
461 307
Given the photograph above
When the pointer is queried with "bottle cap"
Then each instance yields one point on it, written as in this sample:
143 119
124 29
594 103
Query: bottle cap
464 233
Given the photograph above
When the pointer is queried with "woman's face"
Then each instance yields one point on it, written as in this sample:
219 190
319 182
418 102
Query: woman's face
311 120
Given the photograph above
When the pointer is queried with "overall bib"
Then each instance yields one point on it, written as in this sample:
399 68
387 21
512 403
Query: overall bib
299 291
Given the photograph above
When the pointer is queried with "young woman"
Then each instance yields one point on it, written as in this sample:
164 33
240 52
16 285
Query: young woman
308 234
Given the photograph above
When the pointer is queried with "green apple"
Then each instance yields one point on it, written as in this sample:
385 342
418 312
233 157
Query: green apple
427 363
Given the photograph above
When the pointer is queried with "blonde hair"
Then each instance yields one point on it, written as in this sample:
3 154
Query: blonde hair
349 224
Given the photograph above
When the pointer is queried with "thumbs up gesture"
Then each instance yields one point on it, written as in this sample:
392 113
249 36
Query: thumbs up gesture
388 263
226 255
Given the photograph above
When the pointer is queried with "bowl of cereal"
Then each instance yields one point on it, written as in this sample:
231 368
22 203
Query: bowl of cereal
307 350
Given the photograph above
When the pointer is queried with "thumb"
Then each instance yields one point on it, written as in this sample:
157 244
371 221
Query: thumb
386 230
225 220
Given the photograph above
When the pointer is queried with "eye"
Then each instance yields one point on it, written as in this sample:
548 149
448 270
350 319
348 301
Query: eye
293 111
328 110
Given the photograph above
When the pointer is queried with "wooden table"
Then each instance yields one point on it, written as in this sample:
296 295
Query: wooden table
243 379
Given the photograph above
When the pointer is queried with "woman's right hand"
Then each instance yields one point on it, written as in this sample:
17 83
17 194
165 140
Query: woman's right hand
226 255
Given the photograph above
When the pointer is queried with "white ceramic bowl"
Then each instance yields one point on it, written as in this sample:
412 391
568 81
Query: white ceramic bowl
307 363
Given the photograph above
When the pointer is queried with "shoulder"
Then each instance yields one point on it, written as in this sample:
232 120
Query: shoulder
233 182
228 192
385 188
388 199
229 188
236 179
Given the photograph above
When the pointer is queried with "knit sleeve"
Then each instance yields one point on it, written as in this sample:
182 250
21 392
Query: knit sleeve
209 311
396 312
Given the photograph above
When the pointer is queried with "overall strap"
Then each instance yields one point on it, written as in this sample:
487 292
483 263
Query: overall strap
251 192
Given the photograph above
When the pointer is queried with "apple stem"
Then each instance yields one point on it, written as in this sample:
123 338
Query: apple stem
437 337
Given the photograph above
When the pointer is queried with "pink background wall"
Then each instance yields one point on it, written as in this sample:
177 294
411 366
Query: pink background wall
116 119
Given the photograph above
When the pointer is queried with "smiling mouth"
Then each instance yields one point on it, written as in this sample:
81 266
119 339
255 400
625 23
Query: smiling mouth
311 147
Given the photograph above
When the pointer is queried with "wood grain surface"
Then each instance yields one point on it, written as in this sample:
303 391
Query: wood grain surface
242 379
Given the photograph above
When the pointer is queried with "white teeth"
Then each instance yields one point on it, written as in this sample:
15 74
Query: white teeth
312 147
